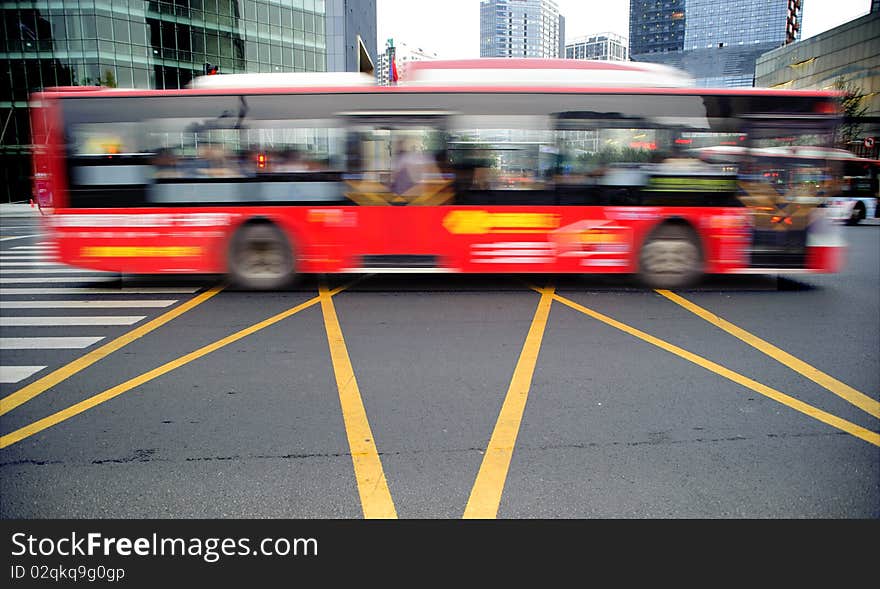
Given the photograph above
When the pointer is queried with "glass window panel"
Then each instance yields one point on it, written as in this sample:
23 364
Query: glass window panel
141 78
197 38
138 33
104 27
89 27
212 44
120 31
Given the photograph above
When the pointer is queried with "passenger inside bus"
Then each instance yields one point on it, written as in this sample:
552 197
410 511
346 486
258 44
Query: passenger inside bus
411 168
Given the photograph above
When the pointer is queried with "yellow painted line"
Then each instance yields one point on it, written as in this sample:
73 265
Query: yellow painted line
862 433
486 493
373 488
24 394
842 390
119 389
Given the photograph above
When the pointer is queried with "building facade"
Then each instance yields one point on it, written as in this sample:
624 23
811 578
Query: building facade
849 53
350 35
715 42
606 46
656 26
160 44
521 28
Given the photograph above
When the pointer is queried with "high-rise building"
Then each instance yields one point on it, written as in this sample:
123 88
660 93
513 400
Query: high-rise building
715 41
656 26
521 28
350 34
162 44
607 46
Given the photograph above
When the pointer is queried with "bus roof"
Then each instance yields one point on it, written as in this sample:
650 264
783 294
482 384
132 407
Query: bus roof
495 71
465 75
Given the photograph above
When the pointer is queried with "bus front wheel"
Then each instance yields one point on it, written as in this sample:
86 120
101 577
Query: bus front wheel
670 258
260 257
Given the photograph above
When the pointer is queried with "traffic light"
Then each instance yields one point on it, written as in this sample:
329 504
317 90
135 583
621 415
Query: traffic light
211 69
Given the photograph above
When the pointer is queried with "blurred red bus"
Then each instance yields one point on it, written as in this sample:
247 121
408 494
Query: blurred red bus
514 166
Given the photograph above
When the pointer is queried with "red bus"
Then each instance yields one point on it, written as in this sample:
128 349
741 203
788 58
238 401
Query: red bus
488 166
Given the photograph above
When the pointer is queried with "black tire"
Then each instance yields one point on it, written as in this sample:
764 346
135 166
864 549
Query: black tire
260 258
671 257
857 215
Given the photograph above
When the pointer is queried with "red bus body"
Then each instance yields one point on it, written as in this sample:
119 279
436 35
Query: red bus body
344 237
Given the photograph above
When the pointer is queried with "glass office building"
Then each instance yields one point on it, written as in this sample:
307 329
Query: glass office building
521 28
715 41
159 44
656 26
735 23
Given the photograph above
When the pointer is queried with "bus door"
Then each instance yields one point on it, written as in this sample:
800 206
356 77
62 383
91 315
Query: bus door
394 162
785 192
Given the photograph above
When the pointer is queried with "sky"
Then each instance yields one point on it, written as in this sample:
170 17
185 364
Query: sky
451 28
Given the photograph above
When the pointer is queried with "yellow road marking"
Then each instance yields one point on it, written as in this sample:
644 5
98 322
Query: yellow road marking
26 393
373 488
823 416
85 405
485 495
844 391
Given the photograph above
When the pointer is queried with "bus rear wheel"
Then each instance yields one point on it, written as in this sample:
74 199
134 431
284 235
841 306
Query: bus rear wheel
670 258
260 258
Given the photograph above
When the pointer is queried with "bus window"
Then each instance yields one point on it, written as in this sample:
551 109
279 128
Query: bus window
398 162
503 160
609 159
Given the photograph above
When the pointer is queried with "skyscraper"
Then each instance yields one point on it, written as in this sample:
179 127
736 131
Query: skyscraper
521 28
656 26
715 41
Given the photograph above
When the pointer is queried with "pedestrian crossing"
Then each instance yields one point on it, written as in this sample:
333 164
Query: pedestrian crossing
14 374
47 309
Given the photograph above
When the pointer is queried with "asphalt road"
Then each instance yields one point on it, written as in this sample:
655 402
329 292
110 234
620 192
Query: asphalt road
439 396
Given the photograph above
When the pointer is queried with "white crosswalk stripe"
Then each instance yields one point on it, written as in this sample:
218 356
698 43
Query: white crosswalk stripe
31 280
4 270
28 263
11 237
13 374
46 343
62 321
84 291
56 280
87 304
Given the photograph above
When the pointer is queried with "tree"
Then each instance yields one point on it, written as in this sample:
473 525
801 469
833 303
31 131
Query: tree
854 109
